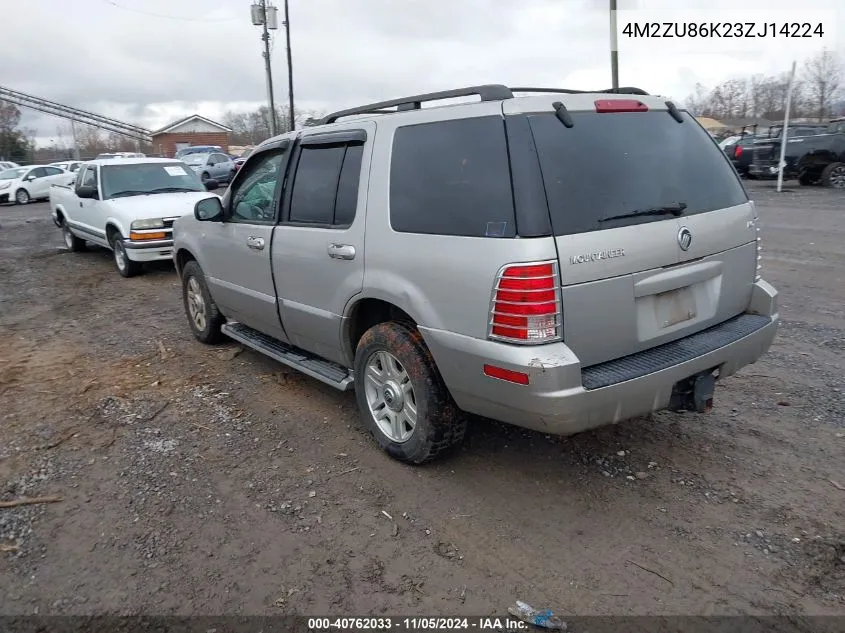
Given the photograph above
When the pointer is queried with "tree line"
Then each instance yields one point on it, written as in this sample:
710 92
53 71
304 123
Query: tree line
817 94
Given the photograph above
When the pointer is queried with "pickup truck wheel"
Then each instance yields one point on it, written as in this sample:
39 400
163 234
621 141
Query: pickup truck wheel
834 176
22 196
402 397
73 243
203 316
125 266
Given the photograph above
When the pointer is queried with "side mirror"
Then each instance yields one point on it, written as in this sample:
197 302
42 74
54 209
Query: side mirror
86 191
29 179
211 184
209 210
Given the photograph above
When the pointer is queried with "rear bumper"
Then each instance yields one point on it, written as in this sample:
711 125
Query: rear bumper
562 398
151 251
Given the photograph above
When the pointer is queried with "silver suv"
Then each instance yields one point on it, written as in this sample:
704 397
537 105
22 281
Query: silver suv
559 261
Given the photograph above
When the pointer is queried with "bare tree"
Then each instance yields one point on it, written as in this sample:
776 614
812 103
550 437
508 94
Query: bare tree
251 128
823 74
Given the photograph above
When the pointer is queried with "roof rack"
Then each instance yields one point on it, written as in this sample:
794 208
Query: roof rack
488 92
627 90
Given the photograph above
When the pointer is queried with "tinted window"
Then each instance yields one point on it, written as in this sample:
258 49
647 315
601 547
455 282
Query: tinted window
347 188
618 163
315 184
254 198
89 177
38 172
53 171
452 178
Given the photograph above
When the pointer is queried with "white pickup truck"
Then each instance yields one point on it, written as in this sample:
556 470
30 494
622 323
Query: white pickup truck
128 206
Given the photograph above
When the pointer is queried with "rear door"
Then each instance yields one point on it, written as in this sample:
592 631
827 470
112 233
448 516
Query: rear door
318 249
634 276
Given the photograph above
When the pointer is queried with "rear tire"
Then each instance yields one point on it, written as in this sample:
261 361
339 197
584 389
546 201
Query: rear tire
204 318
834 176
402 397
125 266
73 243
806 180
22 196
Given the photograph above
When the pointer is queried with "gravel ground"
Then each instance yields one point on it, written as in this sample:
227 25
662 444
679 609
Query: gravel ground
214 481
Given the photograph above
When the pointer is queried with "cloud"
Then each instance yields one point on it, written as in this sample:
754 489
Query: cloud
152 61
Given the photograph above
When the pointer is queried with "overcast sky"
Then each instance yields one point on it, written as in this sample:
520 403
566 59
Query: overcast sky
150 62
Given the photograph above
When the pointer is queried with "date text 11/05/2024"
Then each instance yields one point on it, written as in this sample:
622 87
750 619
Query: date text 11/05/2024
771 30
431 624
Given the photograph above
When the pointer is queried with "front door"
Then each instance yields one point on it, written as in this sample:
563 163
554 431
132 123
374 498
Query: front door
88 215
318 249
237 250
39 187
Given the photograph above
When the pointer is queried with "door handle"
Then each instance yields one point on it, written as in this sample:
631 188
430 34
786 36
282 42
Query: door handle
255 242
341 251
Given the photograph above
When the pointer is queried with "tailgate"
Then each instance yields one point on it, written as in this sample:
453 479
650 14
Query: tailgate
655 235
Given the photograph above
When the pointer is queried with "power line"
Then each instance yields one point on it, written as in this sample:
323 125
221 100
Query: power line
167 17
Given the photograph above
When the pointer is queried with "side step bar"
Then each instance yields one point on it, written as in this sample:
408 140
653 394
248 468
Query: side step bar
323 370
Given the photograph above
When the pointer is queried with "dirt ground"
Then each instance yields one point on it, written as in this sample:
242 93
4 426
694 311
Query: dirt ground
214 481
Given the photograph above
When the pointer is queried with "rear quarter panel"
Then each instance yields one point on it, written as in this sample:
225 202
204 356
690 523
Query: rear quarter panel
442 282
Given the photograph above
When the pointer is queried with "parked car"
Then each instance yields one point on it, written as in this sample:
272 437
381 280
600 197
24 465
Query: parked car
7 164
818 158
128 206
24 184
109 155
240 160
558 262
215 166
199 149
71 166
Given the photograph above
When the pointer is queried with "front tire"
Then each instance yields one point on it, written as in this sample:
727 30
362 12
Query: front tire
402 397
73 243
203 316
125 266
22 196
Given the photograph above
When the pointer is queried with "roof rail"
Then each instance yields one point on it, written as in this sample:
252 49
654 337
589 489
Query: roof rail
489 92
627 90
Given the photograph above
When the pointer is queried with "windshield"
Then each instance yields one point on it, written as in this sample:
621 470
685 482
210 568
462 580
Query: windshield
12 174
195 159
618 163
147 178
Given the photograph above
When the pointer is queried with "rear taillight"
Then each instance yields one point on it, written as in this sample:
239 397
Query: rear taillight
526 306
737 151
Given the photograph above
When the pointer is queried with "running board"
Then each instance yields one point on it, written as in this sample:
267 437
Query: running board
310 364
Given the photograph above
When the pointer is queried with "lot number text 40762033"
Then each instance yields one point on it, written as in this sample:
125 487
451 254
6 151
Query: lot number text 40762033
431 624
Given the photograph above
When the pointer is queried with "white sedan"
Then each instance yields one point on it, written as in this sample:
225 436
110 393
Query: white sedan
33 182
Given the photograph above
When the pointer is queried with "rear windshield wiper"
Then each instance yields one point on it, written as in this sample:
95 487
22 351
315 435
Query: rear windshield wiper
669 209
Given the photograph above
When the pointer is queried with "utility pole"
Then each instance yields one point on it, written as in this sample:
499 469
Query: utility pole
264 15
75 141
784 133
614 47
290 69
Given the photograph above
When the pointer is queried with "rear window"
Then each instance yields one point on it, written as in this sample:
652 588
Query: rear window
619 163
452 178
